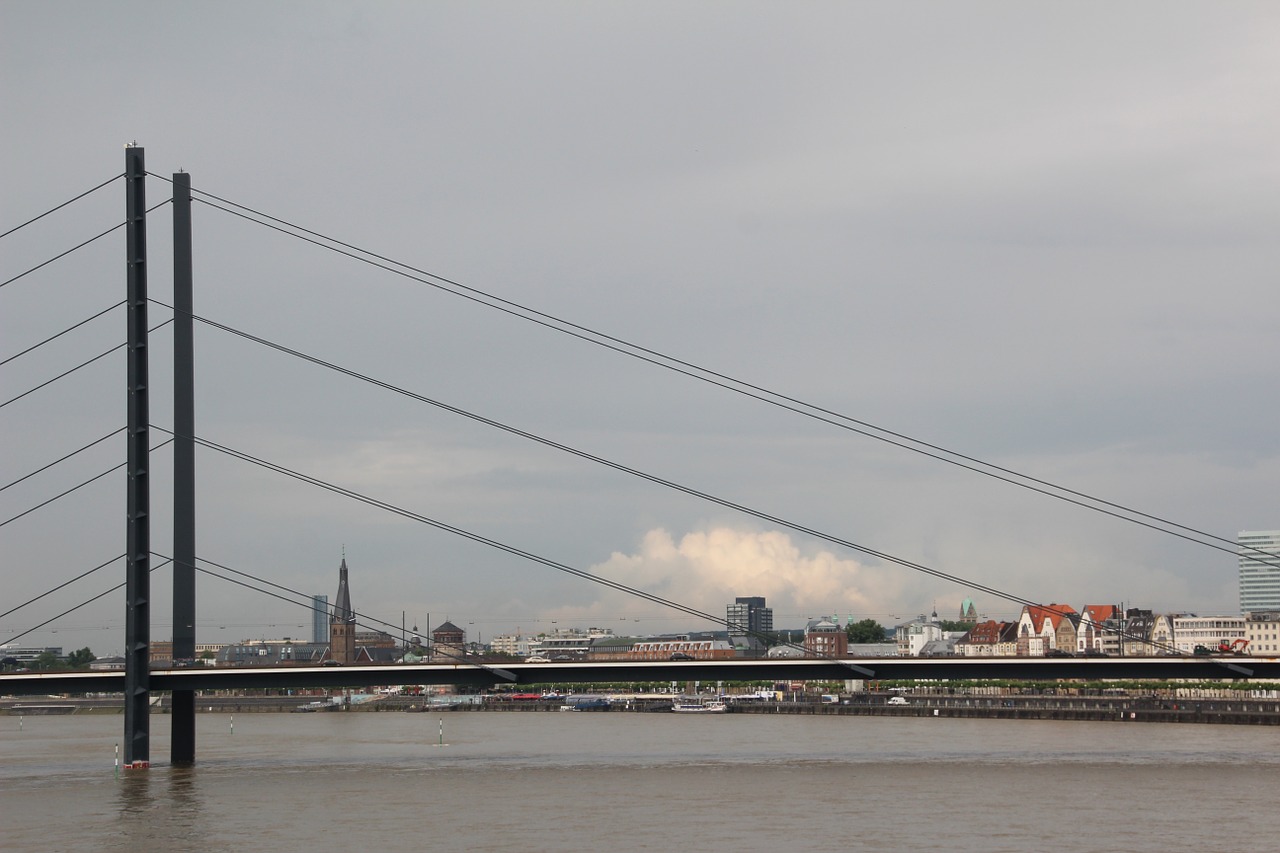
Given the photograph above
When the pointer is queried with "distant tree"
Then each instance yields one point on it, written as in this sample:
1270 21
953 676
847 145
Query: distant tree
81 658
952 625
207 655
46 660
866 631
783 637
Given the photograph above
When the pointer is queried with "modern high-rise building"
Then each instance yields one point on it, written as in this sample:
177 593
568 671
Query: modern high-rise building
319 618
1259 572
749 616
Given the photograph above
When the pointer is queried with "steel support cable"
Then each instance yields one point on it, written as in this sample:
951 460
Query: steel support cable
61 255
77 607
373 623
382 624
616 585
60 586
579 573
720 380
64 204
78 366
80 486
60 334
63 459
309 605
409 514
615 465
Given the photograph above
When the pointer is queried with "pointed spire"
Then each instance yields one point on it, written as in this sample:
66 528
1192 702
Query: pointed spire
342 611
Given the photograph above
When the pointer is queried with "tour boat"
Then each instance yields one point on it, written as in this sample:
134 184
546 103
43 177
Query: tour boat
699 705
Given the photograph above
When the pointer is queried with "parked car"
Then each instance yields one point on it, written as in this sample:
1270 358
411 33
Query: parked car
898 700
681 656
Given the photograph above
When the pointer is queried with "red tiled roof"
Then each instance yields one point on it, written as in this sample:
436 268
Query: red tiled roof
991 632
1052 612
1101 612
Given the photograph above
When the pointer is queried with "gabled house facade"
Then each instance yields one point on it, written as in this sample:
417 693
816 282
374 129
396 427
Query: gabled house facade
1065 635
1162 638
1098 630
1139 625
988 639
1038 628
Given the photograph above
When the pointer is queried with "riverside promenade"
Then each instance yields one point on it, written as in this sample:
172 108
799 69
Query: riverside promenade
1243 710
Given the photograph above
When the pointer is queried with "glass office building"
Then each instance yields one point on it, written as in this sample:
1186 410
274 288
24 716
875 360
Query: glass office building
1259 572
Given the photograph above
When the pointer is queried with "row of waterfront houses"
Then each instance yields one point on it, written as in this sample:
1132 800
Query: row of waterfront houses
1106 629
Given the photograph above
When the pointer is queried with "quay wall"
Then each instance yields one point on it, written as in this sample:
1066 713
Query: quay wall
1246 711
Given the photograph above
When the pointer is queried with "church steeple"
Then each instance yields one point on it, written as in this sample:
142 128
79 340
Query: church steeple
342 621
342 611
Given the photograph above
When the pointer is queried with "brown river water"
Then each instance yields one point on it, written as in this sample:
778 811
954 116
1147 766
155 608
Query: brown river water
617 781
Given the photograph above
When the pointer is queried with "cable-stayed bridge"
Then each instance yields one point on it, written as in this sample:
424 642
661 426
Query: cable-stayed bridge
185 562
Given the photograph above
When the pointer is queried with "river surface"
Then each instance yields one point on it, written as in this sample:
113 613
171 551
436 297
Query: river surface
626 781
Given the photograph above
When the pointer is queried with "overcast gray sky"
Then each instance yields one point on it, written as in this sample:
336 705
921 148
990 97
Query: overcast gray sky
1040 234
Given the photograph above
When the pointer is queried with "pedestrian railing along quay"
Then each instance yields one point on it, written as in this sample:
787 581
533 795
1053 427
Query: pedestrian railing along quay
1128 709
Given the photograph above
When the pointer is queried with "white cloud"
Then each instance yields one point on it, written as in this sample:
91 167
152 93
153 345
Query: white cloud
706 569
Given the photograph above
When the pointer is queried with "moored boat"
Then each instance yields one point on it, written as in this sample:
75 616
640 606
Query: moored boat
312 707
699 705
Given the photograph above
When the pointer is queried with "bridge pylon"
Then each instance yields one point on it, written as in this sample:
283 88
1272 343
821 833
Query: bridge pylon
137 693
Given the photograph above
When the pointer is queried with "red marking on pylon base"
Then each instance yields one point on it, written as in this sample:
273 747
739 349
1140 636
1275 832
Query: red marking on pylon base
138 765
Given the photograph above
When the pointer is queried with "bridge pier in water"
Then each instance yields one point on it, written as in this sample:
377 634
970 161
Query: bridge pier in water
182 743
137 693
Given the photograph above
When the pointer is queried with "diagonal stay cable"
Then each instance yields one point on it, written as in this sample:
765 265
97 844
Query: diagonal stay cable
721 380
575 572
61 586
64 204
76 247
63 459
600 460
377 626
280 469
77 607
52 338
413 516
80 365
307 598
307 602
42 504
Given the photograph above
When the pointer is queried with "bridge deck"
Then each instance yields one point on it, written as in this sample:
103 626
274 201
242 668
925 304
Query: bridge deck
595 672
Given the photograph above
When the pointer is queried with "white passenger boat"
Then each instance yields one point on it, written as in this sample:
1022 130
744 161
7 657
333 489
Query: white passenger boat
698 705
